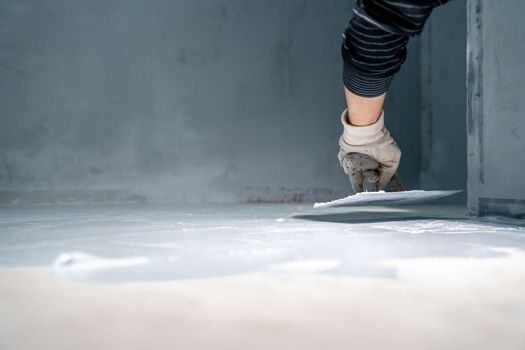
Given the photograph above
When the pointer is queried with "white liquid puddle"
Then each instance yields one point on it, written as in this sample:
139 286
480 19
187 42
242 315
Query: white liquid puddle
145 244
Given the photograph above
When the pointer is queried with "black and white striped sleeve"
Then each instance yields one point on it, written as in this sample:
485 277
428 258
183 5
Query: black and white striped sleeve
374 42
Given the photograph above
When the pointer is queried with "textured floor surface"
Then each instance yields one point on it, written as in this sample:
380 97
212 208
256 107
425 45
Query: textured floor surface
259 277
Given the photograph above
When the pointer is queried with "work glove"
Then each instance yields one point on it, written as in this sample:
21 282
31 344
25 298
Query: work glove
369 153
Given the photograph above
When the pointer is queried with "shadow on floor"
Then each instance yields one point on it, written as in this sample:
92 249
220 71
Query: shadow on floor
363 217
458 214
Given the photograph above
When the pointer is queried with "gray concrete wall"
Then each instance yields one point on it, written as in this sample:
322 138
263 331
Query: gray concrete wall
443 94
184 101
496 114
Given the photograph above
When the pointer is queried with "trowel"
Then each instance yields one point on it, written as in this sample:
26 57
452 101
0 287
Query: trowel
397 197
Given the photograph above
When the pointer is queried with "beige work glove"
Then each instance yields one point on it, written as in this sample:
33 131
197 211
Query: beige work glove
369 153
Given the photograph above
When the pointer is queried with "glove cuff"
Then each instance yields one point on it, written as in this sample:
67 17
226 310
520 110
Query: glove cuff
363 135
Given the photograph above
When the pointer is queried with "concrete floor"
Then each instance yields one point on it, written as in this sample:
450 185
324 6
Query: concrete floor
259 277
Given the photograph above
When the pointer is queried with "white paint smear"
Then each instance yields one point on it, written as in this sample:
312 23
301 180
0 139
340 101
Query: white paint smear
77 261
386 198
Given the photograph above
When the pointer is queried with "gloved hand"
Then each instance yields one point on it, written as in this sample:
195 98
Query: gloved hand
369 153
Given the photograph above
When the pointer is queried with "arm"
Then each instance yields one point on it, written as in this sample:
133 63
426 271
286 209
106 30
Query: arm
374 49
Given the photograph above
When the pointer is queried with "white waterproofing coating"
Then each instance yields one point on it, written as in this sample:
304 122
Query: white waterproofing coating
387 198
105 244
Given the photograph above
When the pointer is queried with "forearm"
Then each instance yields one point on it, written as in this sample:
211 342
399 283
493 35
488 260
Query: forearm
363 110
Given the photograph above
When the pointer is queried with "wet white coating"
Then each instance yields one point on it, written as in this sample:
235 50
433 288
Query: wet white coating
107 244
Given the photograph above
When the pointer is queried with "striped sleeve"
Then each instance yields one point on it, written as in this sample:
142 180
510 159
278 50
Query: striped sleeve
374 42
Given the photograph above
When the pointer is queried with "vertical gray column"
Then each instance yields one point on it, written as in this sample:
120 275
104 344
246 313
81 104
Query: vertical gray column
496 109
